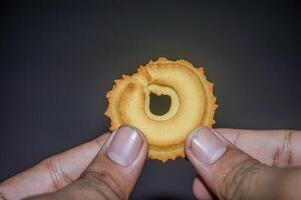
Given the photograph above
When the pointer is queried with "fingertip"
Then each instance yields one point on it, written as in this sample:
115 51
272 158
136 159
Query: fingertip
205 146
187 143
125 145
144 139
102 138
200 191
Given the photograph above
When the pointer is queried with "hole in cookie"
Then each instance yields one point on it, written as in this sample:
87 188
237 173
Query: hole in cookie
159 105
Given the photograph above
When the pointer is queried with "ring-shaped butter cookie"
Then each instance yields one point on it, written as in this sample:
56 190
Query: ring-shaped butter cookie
192 104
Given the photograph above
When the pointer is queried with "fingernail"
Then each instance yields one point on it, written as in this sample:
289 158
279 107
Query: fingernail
125 146
206 146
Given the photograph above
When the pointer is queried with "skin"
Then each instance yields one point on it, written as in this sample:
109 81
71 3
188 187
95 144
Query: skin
256 165
86 172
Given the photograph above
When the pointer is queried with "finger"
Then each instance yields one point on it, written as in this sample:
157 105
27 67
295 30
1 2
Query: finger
229 172
281 148
272 147
114 171
200 191
53 173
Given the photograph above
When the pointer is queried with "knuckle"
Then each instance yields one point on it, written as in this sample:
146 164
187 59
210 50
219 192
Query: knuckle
283 154
103 183
58 177
237 182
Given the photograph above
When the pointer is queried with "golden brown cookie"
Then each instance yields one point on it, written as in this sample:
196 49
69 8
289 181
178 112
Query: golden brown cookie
192 104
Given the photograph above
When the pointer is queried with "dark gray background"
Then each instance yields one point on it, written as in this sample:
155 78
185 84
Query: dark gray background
59 58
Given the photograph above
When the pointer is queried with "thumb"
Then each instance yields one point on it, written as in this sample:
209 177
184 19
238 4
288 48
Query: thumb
114 171
227 171
117 167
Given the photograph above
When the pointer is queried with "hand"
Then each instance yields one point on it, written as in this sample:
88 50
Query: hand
225 161
117 161
275 148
